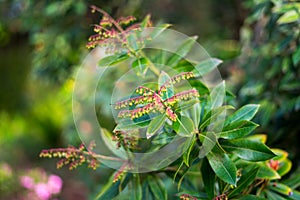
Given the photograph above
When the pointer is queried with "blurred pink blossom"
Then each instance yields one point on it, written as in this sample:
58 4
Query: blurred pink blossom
54 184
27 182
42 191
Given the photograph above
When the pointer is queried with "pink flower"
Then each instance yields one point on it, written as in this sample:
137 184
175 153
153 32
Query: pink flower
42 191
27 182
54 184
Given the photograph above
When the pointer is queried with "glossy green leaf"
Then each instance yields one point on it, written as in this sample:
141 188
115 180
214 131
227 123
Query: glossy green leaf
182 51
266 172
284 167
140 66
206 66
223 166
244 182
157 188
208 178
112 60
155 124
246 112
184 126
238 129
258 138
218 95
248 149
111 189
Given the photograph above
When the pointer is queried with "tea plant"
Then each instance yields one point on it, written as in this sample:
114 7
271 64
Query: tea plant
217 158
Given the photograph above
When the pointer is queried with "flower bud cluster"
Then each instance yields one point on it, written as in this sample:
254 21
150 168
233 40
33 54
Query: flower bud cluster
126 139
73 157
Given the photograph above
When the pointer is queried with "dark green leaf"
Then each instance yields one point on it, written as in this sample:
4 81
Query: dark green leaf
238 129
111 189
208 178
244 182
250 197
223 166
157 188
182 51
137 188
155 124
248 149
296 56
247 112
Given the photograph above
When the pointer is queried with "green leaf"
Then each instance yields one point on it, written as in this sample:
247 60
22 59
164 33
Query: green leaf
244 182
238 129
140 66
212 115
182 51
137 188
246 112
157 188
208 178
111 189
155 124
296 56
250 197
294 180
156 31
284 167
186 155
266 172
218 95
248 149
165 80
280 188
145 22
112 60
288 17
206 66
184 126
184 105
132 41
223 166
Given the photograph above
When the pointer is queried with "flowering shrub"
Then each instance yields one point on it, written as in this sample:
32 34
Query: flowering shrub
171 125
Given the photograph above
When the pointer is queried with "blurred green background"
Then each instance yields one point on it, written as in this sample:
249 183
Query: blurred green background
42 43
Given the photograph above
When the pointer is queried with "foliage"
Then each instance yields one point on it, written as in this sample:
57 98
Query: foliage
271 62
220 151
